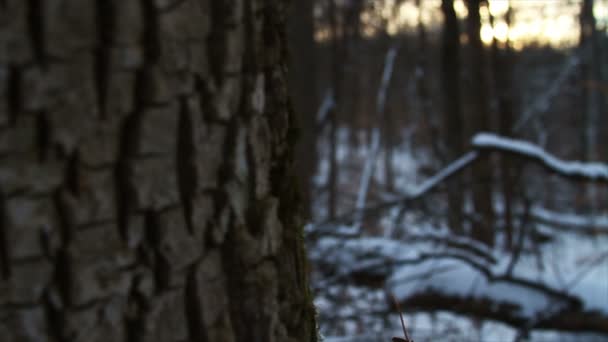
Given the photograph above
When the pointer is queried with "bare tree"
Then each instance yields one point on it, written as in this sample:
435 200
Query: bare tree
590 70
479 120
336 81
590 90
505 93
452 112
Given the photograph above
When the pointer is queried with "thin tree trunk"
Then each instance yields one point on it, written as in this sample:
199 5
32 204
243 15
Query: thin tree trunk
483 225
590 93
353 55
502 67
138 148
422 75
336 80
590 71
452 111
303 86
389 149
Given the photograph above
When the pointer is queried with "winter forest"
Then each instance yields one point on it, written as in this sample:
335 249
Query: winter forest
303 170
454 159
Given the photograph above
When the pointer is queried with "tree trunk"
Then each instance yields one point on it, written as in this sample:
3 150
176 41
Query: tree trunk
426 113
590 94
145 182
479 119
336 83
303 86
452 112
502 69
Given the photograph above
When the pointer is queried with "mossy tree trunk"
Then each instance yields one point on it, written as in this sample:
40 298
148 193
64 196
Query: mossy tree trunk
145 182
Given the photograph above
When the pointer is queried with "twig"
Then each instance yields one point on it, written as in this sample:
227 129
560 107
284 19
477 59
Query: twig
405 334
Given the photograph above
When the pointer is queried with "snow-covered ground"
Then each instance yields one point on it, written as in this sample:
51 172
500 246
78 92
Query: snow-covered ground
356 267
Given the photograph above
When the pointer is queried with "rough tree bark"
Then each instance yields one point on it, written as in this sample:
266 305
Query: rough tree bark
145 180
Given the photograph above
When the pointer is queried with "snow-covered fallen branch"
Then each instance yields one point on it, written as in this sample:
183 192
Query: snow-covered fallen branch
424 277
565 318
570 221
592 171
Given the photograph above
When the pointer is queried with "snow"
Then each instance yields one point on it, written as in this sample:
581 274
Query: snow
327 105
444 235
570 219
592 171
428 256
427 259
415 269
458 279
426 262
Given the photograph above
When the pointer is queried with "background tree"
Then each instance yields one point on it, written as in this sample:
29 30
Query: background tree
146 188
303 85
502 62
407 185
479 121
452 112
590 92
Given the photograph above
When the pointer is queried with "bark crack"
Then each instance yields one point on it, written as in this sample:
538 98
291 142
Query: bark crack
217 39
194 315
72 174
151 34
135 323
43 136
14 94
36 24
160 265
62 272
5 264
129 138
54 318
186 171
130 132
105 22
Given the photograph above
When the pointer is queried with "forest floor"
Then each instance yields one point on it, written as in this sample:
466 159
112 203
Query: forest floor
559 266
